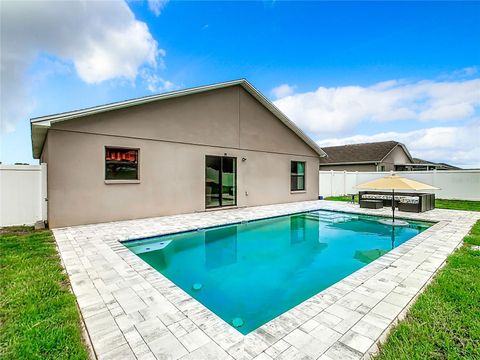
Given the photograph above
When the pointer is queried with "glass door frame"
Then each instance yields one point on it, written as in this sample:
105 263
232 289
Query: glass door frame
220 199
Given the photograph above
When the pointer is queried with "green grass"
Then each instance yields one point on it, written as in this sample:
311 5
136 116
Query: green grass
342 198
458 204
38 313
439 203
444 322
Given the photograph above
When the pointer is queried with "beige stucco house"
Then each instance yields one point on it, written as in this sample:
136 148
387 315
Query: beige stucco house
200 149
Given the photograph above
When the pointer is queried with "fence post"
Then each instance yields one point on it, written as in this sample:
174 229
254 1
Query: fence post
356 180
44 191
331 182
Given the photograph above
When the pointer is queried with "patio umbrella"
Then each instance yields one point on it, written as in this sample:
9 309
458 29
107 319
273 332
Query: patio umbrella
395 182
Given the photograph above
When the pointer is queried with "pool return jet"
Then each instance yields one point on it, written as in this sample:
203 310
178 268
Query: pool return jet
394 182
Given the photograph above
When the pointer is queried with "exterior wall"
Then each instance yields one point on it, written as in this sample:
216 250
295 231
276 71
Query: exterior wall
349 167
228 117
397 156
44 157
384 166
173 138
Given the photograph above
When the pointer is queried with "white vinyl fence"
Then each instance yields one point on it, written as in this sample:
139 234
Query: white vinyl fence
23 188
453 184
23 194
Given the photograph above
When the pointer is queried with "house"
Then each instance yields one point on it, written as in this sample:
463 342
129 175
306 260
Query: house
199 149
420 164
376 156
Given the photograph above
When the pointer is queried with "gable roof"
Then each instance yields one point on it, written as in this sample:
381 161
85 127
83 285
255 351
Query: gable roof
449 167
361 153
40 125
421 161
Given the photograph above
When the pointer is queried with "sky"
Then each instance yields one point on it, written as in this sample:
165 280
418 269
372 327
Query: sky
344 72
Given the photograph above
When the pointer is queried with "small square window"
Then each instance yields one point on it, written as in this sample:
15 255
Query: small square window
297 176
121 164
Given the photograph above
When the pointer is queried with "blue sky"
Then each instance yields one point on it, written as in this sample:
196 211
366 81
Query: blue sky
344 72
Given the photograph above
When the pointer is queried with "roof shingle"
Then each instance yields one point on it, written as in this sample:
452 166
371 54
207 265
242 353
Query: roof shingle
355 153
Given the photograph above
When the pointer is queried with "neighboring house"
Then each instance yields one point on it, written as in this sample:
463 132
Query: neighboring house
445 166
215 146
424 165
377 156
420 164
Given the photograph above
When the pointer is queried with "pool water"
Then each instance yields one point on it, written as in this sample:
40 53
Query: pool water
250 273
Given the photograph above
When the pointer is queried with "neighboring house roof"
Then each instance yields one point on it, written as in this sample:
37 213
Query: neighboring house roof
449 167
443 166
421 161
364 153
40 125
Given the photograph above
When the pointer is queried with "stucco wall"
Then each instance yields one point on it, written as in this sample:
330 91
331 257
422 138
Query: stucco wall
396 156
173 138
228 117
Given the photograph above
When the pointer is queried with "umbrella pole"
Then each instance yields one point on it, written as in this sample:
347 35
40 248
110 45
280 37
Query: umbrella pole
393 205
393 236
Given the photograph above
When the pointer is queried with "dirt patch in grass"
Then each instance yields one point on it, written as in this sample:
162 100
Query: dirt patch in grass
16 230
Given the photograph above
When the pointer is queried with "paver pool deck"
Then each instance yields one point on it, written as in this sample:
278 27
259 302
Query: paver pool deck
131 311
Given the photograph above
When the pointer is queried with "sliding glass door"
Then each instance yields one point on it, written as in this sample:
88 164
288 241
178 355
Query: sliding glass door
220 181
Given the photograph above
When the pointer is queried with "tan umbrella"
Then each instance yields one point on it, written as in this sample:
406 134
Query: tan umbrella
395 182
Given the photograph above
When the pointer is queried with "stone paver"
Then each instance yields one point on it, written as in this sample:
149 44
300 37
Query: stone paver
133 312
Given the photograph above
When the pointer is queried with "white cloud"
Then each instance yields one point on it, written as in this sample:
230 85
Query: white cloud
101 39
334 110
283 90
458 145
156 6
156 83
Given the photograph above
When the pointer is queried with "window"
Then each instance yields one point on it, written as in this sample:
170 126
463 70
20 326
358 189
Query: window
382 167
220 181
121 164
298 229
297 176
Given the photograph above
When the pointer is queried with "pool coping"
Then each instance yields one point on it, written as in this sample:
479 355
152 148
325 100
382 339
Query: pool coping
132 311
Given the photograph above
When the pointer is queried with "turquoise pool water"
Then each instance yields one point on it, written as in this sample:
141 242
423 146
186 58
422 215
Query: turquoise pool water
252 272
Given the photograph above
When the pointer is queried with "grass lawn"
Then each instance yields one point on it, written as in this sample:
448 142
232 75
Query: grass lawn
342 198
458 204
444 322
38 314
439 203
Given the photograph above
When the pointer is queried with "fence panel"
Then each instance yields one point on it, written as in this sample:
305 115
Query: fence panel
453 184
23 194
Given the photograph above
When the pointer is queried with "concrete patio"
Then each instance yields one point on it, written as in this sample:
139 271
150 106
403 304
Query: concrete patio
133 312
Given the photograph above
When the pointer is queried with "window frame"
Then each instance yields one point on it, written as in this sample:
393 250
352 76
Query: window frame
296 175
121 181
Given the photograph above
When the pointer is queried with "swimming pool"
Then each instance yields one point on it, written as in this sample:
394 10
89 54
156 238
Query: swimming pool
250 273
